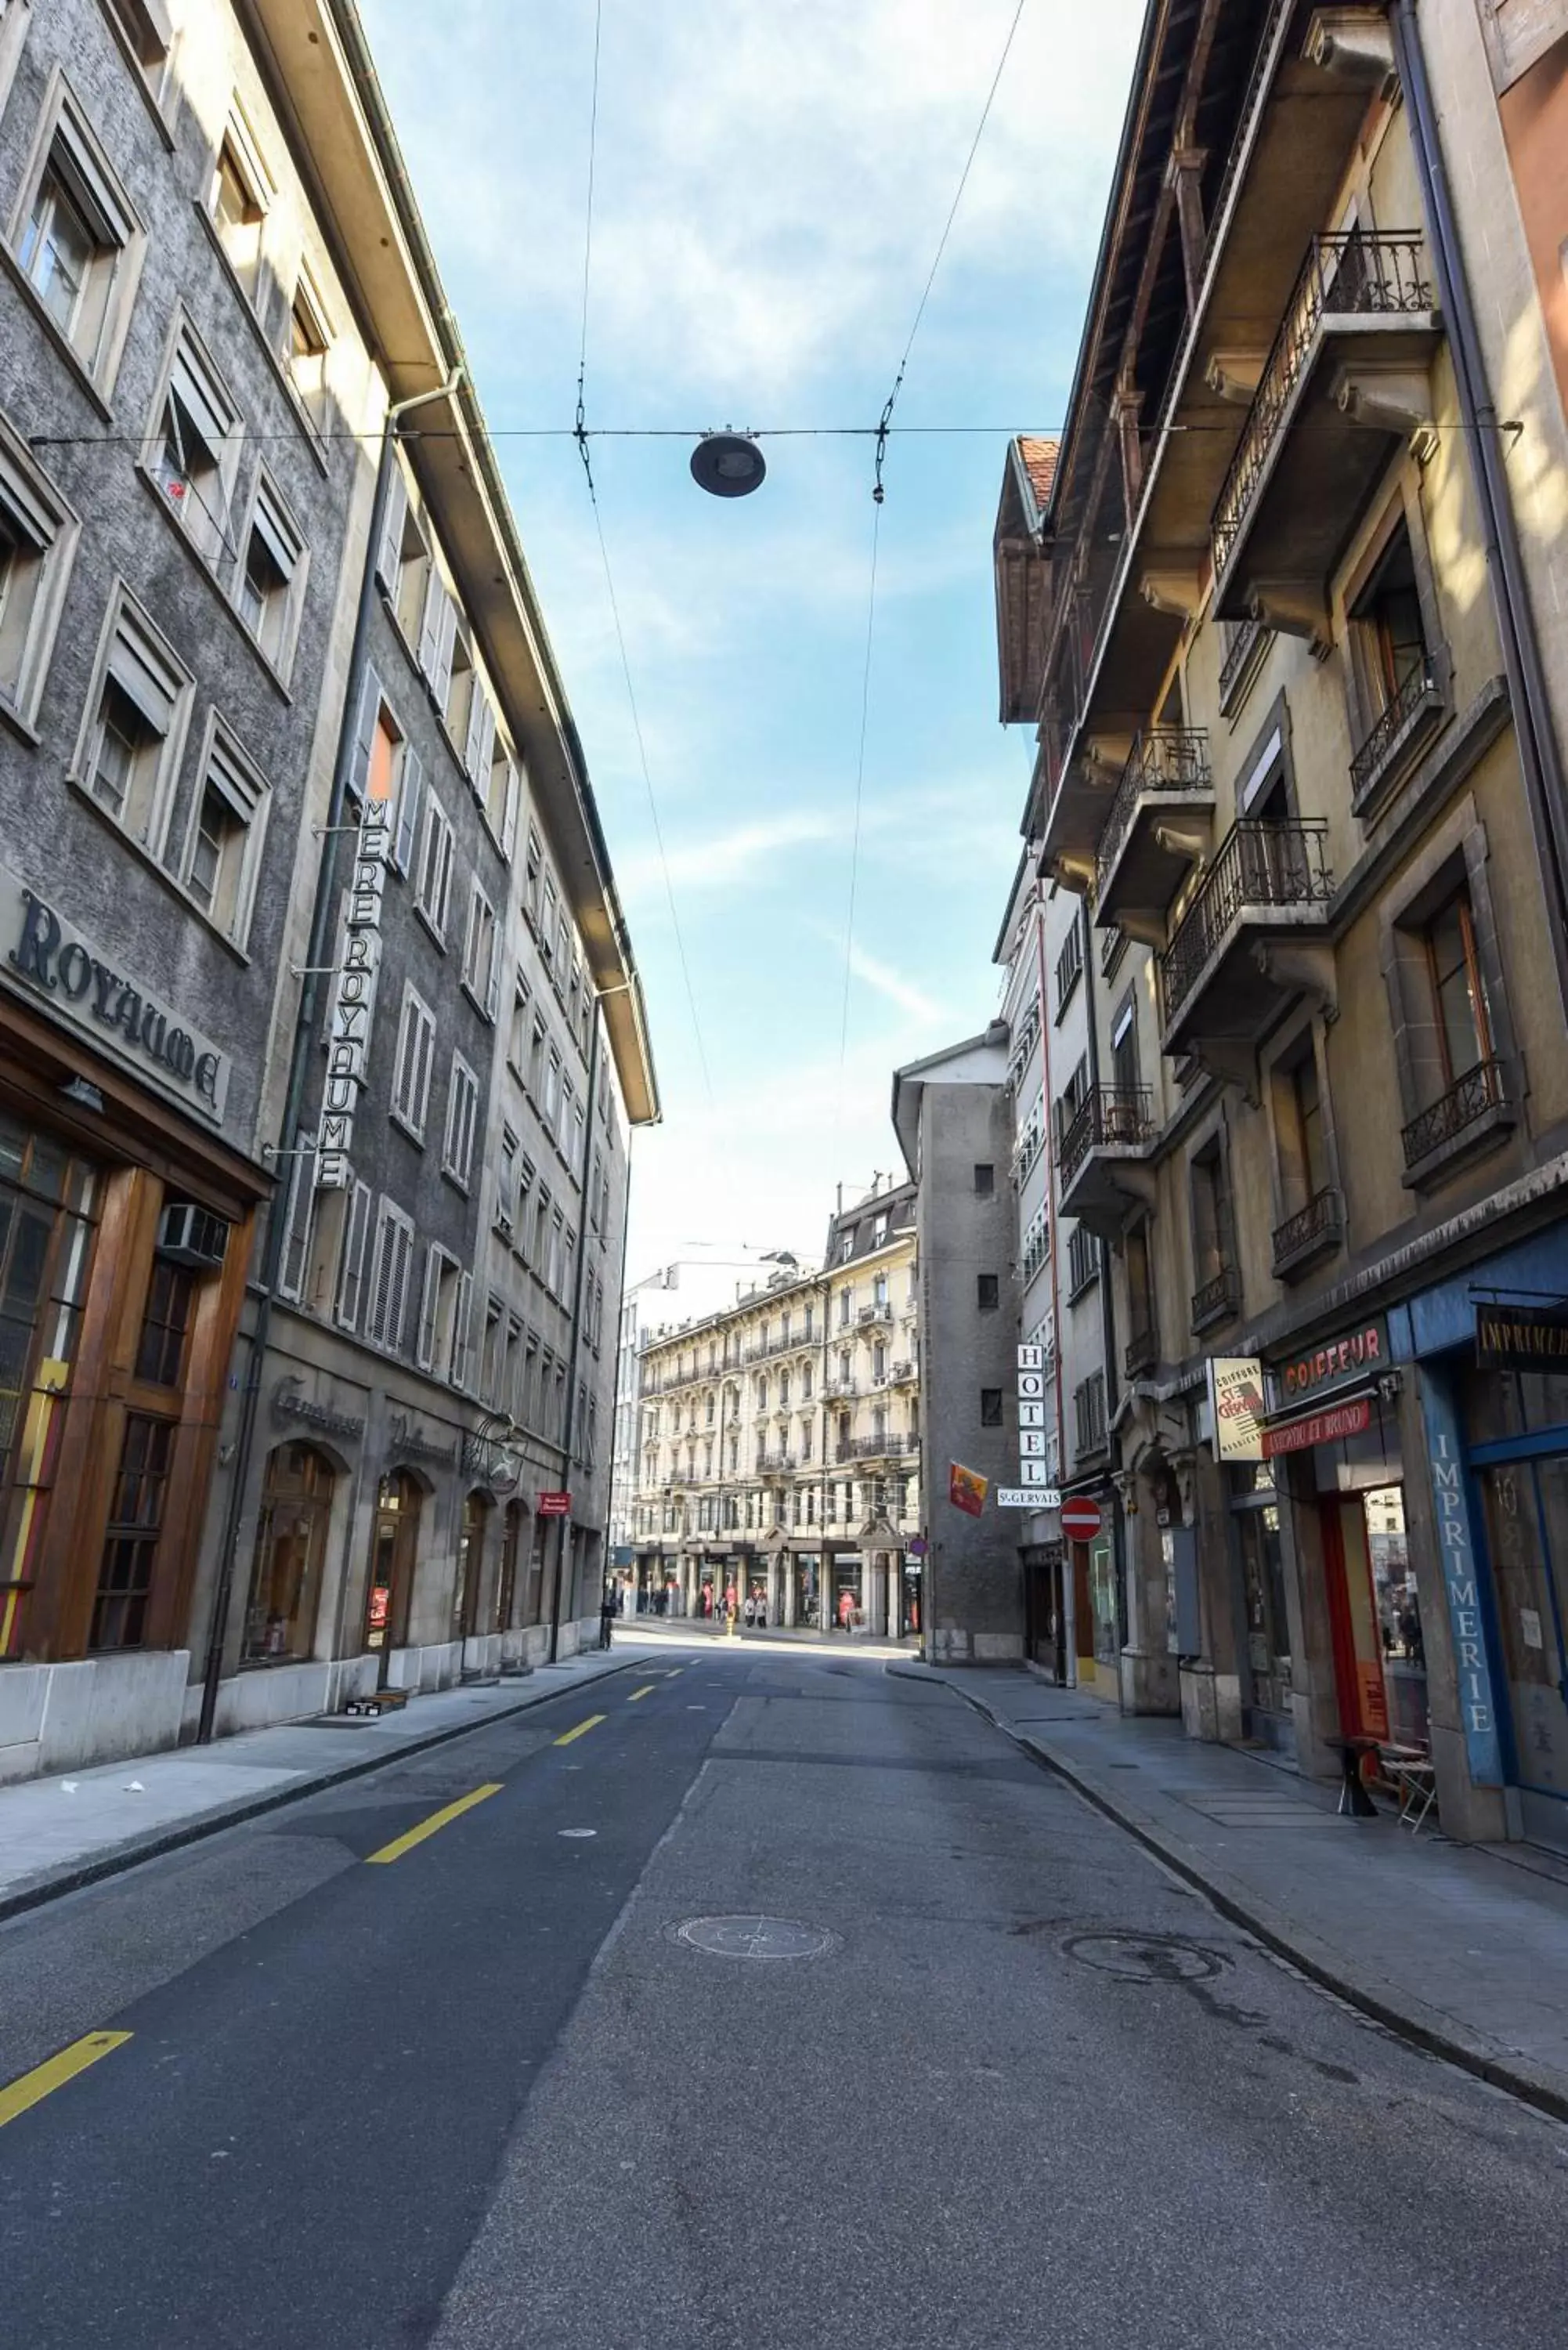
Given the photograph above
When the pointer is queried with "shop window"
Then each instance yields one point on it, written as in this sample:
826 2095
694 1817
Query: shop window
37 537
228 823
136 725
194 448
78 241
270 588
290 1552
165 1324
133 1532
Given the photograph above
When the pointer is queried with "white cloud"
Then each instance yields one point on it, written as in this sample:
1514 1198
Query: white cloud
728 858
893 985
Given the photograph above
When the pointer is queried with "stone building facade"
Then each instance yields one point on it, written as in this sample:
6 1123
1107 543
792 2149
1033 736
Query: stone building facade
298 855
1299 716
779 1439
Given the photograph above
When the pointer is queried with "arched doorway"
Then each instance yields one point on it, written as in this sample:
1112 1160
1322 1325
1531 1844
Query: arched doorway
469 1565
291 1546
512 1539
394 1551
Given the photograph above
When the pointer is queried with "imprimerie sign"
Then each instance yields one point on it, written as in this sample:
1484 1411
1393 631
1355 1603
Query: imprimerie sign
353 999
1521 1337
46 954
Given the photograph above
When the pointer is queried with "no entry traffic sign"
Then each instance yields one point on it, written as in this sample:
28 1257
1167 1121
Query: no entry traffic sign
1080 1519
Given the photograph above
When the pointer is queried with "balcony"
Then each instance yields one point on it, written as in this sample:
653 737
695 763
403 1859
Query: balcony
881 1312
1412 717
1159 824
901 1374
1218 1300
1345 381
1102 1163
1252 941
1475 1112
874 1448
1142 1354
1313 1231
774 1464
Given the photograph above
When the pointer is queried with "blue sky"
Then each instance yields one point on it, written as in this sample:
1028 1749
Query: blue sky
772 176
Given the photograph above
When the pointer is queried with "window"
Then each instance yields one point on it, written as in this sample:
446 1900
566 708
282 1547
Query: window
37 537
1125 1075
463 706
517 1031
224 851
536 1060
237 203
986 1292
411 1075
270 587
1217 1287
437 637
1083 1261
1390 639
305 358
991 1406
506 1182
531 871
502 791
845 1248
432 894
438 1310
879 1231
143 26
1143 1345
132 1536
984 1180
351 1264
1463 1028
390 1279
165 1320
846 1303
1069 966
462 1117
194 448
403 558
136 725
480 961
79 243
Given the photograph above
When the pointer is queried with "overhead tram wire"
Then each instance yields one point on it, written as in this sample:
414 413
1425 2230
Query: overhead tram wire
884 429
581 435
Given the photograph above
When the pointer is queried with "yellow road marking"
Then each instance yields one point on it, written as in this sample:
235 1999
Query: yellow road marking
401 1845
646 1690
568 1735
37 2085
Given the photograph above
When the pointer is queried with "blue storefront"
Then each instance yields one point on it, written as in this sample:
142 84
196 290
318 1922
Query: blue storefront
1496 1426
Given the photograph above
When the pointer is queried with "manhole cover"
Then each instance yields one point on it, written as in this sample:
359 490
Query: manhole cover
1145 1958
755 1937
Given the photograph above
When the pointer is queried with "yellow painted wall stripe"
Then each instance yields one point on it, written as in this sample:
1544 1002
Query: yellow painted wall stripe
38 2085
568 1735
646 1690
401 1845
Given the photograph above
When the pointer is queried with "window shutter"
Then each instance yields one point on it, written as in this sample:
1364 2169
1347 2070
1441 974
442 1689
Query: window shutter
446 640
480 740
382 1298
351 1270
492 993
389 553
424 1347
509 814
444 886
403 1251
364 733
411 785
301 1199
423 1040
462 1335
430 622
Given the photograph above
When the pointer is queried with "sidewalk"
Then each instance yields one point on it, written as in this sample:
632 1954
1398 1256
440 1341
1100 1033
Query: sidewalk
682 1628
1461 1948
59 1833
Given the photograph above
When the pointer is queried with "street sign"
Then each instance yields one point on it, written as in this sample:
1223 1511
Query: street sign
554 1506
1028 1497
1080 1518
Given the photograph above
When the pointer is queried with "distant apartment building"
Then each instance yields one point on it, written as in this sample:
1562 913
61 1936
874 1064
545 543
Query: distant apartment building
1300 684
314 985
779 1439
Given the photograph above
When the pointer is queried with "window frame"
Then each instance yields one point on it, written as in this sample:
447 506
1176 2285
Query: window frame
126 620
414 1010
269 516
225 766
63 116
461 1131
186 347
34 510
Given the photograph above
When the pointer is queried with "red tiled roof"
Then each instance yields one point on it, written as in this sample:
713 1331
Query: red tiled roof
1040 464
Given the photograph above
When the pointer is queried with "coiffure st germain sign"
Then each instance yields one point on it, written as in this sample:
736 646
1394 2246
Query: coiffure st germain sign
1359 1354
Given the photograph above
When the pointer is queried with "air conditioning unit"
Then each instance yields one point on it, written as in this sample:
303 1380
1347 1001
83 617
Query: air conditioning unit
191 1236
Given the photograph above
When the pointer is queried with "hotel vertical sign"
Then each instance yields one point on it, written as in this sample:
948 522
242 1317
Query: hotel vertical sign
353 1005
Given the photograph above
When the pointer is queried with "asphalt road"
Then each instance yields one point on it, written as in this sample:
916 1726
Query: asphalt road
479 2092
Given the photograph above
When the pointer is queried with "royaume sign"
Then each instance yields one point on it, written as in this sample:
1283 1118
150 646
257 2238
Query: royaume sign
45 954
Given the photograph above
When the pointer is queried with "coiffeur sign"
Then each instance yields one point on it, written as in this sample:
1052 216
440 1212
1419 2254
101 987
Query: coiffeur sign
1360 1354
1236 1402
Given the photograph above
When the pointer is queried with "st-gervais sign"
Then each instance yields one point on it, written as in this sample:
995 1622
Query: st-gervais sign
1028 1497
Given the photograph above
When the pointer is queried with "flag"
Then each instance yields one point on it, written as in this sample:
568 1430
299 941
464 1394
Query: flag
966 1490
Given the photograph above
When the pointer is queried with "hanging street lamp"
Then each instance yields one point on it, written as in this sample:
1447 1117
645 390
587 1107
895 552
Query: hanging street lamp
728 464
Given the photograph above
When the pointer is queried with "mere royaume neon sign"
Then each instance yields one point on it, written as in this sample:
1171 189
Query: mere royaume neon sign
353 1006
51 959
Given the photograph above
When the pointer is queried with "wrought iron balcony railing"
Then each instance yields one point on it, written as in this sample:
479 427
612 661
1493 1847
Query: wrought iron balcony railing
1420 689
1142 1353
1480 1089
1314 1226
1108 1115
1164 759
1256 865
1351 274
1216 1298
874 1448
1244 638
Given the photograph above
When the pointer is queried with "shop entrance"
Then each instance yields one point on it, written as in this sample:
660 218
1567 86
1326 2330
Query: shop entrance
291 1546
394 1548
1526 1505
1380 1655
470 1566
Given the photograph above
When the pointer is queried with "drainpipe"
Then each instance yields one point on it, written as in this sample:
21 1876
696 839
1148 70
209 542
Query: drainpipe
568 1433
305 1025
1539 755
1069 1591
1108 1298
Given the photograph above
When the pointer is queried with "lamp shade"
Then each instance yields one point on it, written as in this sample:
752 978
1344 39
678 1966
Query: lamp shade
727 465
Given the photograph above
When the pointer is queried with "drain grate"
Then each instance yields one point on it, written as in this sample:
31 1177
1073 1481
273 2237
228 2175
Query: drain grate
755 1937
1145 1958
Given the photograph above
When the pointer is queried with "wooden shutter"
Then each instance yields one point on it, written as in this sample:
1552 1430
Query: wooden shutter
430 622
381 1302
351 1265
424 1345
411 783
402 1257
509 813
462 1333
300 1200
365 733
389 553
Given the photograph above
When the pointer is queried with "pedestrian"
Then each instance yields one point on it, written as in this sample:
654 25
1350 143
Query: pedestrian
846 1610
607 1615
751 1611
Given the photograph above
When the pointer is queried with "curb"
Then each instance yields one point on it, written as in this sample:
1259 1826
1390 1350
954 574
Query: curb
34 1892
1424 2027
